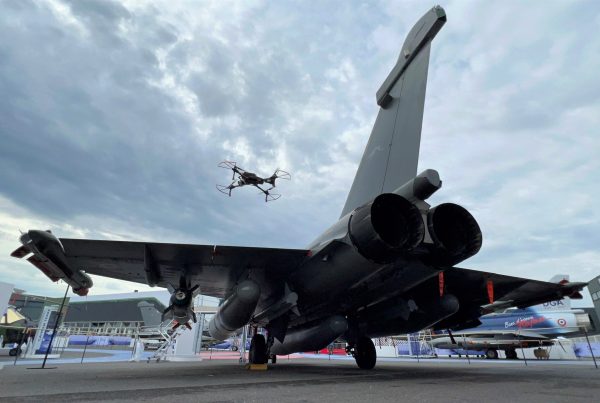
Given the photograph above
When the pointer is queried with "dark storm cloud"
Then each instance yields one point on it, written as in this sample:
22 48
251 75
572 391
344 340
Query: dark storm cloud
84 131
96 133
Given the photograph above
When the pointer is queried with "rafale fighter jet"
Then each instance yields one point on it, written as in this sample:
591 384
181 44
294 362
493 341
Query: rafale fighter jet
386 267
241 177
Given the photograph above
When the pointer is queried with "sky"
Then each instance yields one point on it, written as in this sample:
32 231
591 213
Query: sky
114 116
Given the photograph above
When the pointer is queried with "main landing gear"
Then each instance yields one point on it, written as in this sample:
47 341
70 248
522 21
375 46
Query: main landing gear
258 350
491 354
511 354
364 352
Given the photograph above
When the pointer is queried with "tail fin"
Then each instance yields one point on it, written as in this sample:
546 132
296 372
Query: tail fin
559 278
390 159
557 305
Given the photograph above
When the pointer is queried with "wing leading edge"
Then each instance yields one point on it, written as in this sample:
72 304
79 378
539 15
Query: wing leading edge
215 268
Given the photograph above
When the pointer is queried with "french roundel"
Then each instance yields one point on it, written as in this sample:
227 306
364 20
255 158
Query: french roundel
561 322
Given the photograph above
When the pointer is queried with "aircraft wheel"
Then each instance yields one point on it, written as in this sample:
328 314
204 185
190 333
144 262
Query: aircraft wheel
14 351
258 350
234 348
273 358
365 354
491 354
511 354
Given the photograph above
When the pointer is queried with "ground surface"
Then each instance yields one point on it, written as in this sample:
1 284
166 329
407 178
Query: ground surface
307 380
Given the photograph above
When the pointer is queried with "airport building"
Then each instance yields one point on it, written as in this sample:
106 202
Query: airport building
114 314
32 306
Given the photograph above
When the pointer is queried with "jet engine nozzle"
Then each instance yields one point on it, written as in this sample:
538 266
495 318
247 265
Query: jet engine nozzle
386 227
455 233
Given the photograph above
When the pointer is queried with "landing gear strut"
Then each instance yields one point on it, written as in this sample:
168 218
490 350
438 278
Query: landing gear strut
270 341
511 354
364 353
258 350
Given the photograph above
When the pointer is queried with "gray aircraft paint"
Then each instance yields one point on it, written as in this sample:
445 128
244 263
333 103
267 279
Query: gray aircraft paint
392 153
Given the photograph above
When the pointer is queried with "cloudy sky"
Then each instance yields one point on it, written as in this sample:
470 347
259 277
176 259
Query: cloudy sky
114 116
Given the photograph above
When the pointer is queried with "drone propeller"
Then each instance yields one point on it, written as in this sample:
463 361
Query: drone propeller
271 196
281 174
278 174
227 164
268 195
225 189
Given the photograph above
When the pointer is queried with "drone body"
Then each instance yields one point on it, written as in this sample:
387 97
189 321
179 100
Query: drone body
241 177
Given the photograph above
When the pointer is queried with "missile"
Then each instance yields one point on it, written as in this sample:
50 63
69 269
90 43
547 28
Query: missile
48 255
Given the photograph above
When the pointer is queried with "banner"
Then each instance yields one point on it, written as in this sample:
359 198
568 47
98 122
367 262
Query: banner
41 343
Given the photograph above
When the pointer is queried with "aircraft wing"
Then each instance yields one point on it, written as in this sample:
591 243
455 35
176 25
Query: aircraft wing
216 269
481 292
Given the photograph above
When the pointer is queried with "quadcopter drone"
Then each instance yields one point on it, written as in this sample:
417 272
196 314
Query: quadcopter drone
242 177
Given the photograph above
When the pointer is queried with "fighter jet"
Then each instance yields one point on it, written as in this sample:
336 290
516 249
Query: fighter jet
386 267
514 328
489 342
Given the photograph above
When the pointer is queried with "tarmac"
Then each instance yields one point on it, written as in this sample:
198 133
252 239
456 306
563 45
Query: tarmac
306 380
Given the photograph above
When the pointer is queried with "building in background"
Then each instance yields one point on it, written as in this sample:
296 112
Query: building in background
115 314
32 306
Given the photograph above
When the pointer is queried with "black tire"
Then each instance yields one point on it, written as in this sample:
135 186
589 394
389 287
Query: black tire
234 348
273 359
14 351
258 350
491 354
511 354
365 354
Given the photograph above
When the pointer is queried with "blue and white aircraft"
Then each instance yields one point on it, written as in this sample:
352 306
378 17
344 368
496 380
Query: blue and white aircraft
514 328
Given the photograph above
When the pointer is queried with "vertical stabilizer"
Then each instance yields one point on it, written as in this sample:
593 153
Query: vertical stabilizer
559 304
391 156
